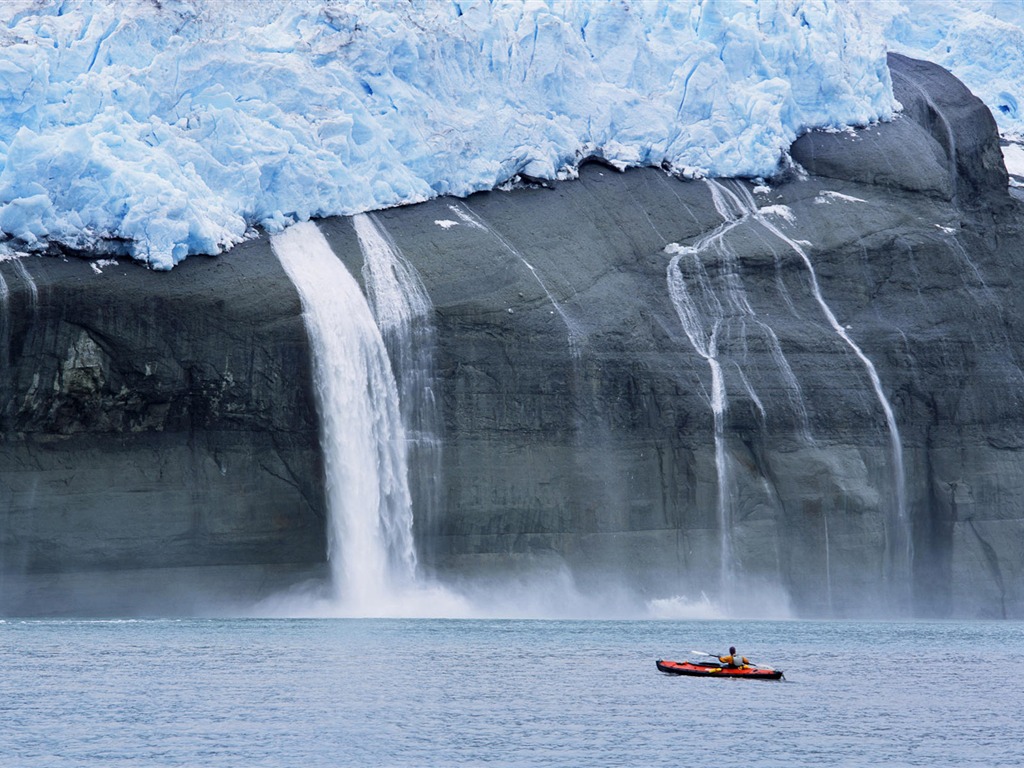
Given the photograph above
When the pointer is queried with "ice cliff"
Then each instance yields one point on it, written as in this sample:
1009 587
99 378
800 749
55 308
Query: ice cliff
175 127
163 128
979 41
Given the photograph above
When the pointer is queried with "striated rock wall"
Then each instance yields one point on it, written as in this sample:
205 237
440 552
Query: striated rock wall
163 426
153 421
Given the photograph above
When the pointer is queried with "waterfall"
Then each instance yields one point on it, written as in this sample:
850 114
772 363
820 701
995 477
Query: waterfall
396 293
949 136
33 291
899 542
828 561
370 543
404 315
735 209
703 316
705 343
5 324
576 334
6 317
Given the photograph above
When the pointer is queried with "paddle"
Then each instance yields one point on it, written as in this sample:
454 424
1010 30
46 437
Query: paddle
714 656
718 662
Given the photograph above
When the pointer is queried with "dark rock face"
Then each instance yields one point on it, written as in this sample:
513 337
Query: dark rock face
153 423
944 144
164 423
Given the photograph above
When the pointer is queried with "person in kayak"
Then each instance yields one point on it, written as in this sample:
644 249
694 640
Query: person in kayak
732 660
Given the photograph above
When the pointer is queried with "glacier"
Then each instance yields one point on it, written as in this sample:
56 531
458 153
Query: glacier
164 128
979 41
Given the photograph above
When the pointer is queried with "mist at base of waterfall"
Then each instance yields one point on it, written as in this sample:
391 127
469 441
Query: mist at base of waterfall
545 592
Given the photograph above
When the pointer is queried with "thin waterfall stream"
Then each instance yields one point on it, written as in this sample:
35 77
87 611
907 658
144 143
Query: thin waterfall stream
703 316
899 541
33 290
5 323
404 314
468 217
705 343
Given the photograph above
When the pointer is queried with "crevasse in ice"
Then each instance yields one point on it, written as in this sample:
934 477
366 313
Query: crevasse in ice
174 127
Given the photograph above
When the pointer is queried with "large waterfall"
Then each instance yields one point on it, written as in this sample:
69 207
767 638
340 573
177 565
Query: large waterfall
370 512
365 419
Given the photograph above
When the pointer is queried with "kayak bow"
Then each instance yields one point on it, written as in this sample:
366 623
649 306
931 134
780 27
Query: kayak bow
717 670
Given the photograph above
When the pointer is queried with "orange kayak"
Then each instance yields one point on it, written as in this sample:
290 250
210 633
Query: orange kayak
717 670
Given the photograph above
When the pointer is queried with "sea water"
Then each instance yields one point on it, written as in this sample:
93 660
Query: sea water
349 692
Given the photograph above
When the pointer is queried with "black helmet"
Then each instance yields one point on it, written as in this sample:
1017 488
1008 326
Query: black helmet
732 649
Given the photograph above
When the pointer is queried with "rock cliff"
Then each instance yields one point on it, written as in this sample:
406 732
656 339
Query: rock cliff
812 385
153 422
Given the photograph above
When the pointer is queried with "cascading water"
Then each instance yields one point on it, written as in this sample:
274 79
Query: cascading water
945 136
734 208
704 340
6 317
404 315
397 296
899 542
703 316
950 240
370 543
33 290
576 334
5 322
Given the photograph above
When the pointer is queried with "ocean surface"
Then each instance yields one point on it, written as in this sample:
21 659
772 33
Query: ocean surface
347 692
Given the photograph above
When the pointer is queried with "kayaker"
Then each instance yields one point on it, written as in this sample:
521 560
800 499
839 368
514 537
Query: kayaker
732 660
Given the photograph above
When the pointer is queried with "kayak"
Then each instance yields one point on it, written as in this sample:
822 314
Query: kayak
717 670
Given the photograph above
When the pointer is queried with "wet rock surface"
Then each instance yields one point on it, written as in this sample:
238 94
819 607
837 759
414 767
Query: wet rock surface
153 421
165 423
